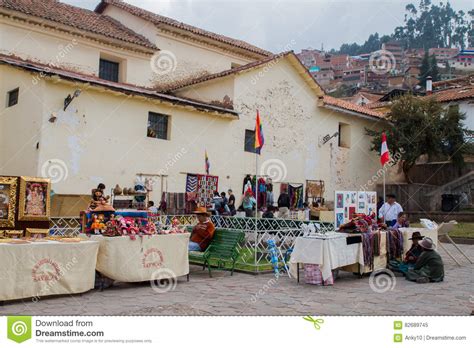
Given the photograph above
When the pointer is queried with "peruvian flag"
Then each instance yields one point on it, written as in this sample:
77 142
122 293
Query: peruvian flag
384 154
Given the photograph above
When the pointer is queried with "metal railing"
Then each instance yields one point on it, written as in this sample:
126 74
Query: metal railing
254 255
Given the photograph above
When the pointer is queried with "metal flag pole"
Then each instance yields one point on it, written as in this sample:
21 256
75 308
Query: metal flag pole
256 209
383 168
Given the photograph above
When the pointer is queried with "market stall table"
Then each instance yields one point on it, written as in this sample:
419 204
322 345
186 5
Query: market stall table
145 258
329 251
38 269
332 251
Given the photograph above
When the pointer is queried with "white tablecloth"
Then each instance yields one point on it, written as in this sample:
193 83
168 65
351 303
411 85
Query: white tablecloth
143 259
329 253
46 268
407 232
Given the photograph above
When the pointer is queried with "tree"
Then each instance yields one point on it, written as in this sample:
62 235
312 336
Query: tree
420 126
428 67
454 145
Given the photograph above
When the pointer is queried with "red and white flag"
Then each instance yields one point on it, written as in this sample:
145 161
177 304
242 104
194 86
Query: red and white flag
384 154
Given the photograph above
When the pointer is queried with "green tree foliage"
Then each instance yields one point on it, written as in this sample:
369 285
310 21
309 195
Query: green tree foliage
428 25
421 126
429 67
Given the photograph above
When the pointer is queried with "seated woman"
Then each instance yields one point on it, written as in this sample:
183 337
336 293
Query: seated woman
411 255
429 267
402 221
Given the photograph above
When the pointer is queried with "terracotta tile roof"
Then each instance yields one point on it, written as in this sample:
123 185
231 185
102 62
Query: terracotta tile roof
376 105
453 94
129 89
194 81
77 18
343 104
160 20
456 82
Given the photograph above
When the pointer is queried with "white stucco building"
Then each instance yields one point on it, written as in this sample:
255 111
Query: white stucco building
156 94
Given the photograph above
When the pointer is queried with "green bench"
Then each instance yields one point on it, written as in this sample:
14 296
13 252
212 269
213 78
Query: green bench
222 251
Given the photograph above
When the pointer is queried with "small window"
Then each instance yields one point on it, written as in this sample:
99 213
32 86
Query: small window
109 70
12 97
344 139
249 145
157 126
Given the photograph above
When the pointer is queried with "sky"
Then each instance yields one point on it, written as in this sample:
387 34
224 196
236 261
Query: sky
281 25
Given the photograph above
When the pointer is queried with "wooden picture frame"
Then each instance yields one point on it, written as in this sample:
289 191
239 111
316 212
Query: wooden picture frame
8 186
37 232
13 234
34 203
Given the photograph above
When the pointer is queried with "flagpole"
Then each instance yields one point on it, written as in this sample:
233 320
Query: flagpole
384 189
256 209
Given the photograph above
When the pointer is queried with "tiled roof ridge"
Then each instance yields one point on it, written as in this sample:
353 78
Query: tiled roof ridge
92 79
346 105
160 19
78 18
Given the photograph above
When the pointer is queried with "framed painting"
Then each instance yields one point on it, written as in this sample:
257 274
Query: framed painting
37 232
8 186
34 199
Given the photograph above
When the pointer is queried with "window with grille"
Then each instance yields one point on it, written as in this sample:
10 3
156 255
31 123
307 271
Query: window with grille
12 97
157 126
109 70
249 145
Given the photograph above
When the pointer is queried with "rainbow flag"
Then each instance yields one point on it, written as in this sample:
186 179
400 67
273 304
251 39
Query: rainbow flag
206 163
259 141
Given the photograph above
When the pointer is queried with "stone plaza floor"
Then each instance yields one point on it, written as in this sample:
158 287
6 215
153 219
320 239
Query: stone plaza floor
244 294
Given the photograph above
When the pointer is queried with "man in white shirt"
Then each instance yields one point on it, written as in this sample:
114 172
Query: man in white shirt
390 210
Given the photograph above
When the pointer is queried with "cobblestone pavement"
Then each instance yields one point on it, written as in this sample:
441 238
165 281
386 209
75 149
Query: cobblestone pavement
244 294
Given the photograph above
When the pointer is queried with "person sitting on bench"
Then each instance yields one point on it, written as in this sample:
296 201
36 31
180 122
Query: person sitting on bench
203 232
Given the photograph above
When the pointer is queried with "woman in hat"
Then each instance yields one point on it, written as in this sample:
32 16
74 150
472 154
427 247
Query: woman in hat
429 267
411 255
203 232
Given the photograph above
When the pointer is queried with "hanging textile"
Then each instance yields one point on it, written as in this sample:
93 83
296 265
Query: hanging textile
191 183
262 193
394 244
370 247
206 186
246 180
181 202
296 196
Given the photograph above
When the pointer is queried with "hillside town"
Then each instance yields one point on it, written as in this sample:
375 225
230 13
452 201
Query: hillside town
146 163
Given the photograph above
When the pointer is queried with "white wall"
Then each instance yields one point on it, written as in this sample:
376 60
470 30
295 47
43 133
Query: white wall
71 53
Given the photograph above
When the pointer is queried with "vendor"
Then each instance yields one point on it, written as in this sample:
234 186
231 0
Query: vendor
390 210
429 267
203 232
411 256
402 221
